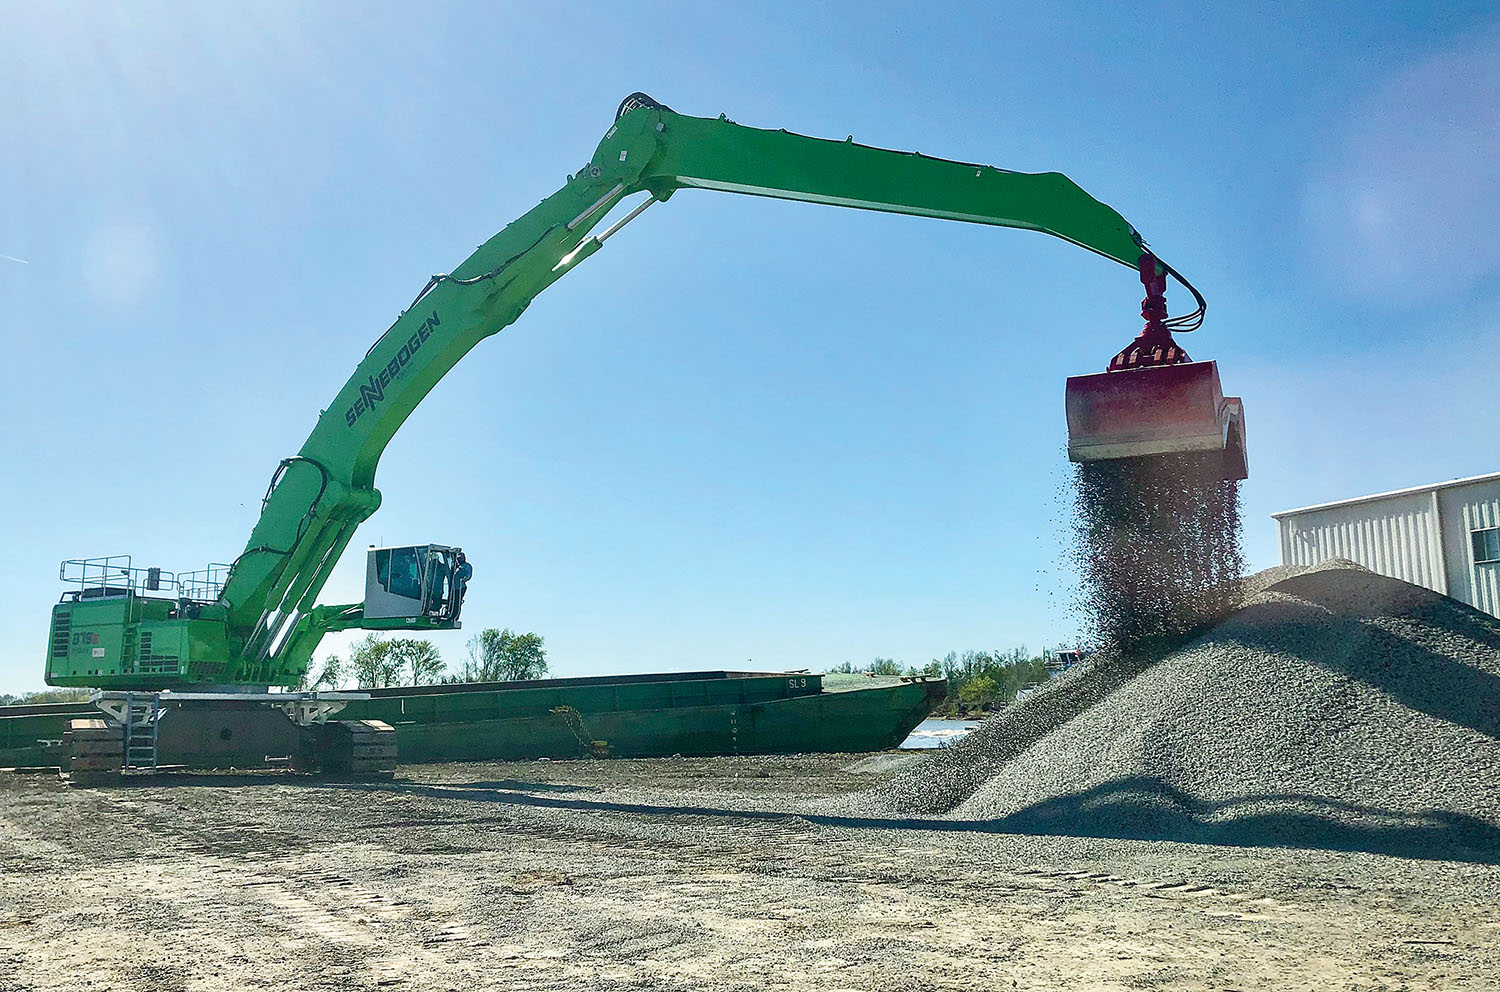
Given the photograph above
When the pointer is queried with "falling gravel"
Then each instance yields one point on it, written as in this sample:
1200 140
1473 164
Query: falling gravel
1157 547
1336 708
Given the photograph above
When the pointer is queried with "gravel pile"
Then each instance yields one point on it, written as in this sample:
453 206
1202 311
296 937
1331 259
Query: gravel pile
1336 708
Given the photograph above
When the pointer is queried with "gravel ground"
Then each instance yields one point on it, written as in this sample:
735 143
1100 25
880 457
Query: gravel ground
1338 708
678 875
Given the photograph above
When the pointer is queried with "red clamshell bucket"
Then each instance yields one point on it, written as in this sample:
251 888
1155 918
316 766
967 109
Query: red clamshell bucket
1162 410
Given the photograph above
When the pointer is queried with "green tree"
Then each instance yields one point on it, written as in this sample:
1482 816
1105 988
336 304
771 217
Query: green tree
885 666
372 664
504 656
376 662
418 659
981 691
330 676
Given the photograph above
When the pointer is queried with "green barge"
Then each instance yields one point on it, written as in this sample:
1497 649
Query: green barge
32 736
626 716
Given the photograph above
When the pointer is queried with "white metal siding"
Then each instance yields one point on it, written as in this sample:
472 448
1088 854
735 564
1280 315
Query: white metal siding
1397 537
1420 535
1466 509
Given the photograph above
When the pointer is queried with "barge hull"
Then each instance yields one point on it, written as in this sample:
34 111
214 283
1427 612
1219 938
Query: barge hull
642 716
866 720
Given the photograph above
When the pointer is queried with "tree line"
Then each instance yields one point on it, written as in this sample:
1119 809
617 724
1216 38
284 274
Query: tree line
45 696
977 680
377 662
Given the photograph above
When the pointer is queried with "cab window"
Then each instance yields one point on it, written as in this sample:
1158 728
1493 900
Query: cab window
406 574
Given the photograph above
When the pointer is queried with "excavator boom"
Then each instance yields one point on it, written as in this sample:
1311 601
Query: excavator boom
698 153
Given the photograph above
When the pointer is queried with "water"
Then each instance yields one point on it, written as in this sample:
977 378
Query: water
932 733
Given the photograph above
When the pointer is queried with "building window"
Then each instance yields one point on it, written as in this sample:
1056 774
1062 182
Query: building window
1486 545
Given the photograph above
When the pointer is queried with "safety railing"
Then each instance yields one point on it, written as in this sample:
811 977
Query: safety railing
204 584
114 575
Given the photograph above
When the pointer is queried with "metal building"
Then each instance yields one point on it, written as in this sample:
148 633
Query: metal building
1445 536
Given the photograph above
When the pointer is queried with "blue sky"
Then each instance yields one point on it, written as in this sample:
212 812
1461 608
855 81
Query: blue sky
746 432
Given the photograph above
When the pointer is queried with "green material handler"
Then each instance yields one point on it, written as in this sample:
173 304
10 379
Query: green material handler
256 622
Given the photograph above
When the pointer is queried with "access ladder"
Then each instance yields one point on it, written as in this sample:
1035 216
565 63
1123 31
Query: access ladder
140 716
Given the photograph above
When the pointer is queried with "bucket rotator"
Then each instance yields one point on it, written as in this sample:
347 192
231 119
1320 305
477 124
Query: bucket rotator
1154 401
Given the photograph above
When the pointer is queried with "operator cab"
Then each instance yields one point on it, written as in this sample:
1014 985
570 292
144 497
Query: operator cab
416 580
